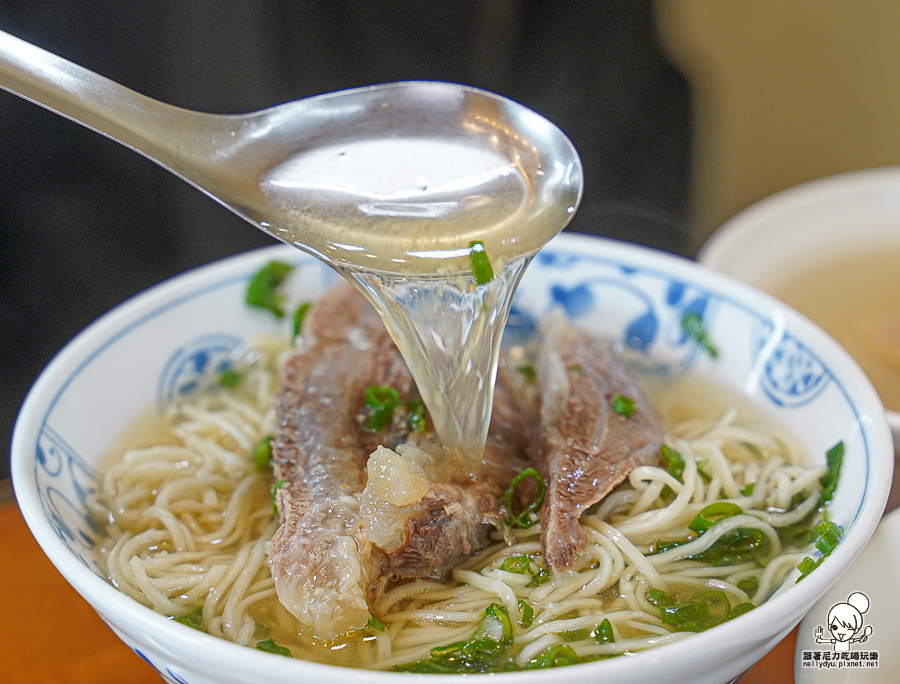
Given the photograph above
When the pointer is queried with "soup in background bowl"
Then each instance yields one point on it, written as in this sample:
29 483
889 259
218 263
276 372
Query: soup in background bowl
160 345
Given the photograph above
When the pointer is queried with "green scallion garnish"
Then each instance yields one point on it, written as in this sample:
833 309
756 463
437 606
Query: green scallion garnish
278 485
835 457
528 515
827 541
483 652
520 565
711 514
527 614
262 454
749 585
692 325
270 646
194 619
528 371
542 577
558 656
230 378
416 414
674 466
382 401
482 271
263 290
299 316
703 610
623 405
604 633
373 624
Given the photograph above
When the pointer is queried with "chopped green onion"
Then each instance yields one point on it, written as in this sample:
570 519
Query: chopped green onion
527 517
739 546
829 537
263 289
753 449
270 646
483 652
520 565
623 405
299 316
229 378
693 326
828 481
262 454
381 418
710 515
749 585
703 610
527 614
674 466
828 540
528 371
800 533
806 566
482 270
542 577
416 418
604 633
701 472
739 610
495 624
575 368
383 401
659 598
719 607
373 624
558 656
194 619
278 485
381 395
661 546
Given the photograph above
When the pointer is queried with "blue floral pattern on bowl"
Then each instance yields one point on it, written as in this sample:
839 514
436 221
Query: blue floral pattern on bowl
190 365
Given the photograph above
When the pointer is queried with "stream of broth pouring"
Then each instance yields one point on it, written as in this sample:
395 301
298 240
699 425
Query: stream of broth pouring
403 234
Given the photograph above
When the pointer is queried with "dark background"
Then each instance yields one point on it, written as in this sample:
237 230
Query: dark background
85 223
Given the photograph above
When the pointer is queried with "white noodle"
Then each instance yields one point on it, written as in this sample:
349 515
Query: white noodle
188 522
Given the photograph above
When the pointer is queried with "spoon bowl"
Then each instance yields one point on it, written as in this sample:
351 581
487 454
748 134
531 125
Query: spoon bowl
358 177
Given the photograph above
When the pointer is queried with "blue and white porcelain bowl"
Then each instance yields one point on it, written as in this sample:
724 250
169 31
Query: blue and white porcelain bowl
160 344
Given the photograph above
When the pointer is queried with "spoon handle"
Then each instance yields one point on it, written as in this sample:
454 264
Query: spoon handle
139 122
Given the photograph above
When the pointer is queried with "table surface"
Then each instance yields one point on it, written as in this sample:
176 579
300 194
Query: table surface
37 600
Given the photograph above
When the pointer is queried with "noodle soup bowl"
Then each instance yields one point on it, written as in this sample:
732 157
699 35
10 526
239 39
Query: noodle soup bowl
162 344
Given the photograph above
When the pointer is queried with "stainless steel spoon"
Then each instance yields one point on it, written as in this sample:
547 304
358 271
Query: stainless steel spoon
358 177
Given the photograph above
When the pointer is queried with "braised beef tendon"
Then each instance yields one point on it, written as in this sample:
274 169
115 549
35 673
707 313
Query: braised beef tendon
324 567
422 506
350 521
596 425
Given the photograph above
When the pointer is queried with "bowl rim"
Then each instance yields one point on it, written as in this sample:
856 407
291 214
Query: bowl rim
825 190
183 643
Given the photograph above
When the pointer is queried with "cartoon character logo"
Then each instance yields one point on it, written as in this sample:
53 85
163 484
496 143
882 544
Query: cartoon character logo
845 622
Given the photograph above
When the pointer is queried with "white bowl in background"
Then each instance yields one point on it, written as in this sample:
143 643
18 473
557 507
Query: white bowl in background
156 345
814 223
